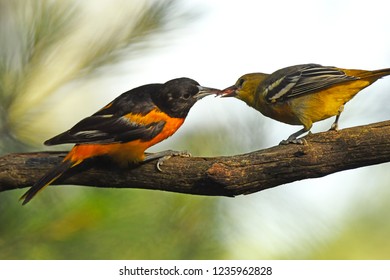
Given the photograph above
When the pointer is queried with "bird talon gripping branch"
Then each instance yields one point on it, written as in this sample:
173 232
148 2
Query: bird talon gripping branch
334 127
302 94
126 127
298 141
170 154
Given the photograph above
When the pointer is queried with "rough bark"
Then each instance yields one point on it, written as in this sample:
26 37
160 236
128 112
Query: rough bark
324 153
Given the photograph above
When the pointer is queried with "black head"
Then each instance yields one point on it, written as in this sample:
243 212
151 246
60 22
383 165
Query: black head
177 96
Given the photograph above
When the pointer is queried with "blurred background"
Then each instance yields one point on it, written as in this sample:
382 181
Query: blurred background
60 61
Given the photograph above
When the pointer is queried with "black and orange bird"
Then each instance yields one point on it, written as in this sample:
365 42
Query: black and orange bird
126 127
302 94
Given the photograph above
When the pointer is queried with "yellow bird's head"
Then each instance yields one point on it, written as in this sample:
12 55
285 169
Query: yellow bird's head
245 87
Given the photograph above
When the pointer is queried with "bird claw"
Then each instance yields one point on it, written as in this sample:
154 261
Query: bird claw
299 141
334 127
168 156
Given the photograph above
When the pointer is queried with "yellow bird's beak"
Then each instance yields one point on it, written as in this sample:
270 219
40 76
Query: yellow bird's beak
229 92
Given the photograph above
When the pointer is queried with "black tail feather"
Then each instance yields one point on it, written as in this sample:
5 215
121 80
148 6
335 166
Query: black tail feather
46 180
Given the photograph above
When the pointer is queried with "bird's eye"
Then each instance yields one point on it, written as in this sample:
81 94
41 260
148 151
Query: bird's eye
240 83
186 95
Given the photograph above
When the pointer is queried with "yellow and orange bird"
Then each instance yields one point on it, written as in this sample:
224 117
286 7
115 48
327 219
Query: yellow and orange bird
302 94
126 127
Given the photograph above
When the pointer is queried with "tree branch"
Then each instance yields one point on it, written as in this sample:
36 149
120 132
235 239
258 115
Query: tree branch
324 153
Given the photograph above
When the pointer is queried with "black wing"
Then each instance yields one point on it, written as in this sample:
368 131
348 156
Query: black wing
301 79
112 125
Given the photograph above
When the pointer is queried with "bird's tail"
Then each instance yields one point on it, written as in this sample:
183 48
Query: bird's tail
374 75
46 180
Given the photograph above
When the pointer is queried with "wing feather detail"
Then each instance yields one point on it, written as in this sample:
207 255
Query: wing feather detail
104 130
301 79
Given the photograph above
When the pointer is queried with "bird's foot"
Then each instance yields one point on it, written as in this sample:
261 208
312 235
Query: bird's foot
170 154
299 141
165 155
334 127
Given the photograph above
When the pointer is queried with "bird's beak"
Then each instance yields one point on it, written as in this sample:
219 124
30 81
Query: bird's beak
205 91
229 92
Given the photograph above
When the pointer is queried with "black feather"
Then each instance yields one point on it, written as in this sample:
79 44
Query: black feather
46 180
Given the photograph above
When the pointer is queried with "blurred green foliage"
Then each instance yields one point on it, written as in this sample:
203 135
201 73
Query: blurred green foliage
366 235
107 224
69 223
47 45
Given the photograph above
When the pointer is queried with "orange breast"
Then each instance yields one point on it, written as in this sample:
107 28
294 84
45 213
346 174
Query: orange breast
132 151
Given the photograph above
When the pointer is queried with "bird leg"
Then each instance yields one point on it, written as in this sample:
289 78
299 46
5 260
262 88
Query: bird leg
335 125
165 155
292 139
